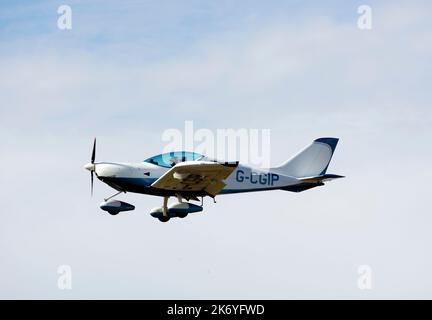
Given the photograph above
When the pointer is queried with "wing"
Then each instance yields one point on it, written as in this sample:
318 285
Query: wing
196 176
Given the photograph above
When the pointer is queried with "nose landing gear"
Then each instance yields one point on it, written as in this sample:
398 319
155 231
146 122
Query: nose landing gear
114 207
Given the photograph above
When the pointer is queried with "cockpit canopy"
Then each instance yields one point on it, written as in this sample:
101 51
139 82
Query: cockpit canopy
170 159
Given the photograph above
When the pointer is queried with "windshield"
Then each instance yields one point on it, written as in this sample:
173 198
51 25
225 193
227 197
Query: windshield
170 159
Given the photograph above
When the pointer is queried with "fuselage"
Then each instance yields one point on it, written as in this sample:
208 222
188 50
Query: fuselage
138 178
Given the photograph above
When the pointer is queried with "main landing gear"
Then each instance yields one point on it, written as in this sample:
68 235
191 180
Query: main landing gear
177 210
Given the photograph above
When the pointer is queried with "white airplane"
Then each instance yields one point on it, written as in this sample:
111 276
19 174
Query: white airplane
190 176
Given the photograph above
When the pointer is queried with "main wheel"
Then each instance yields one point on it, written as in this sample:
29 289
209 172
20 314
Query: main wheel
113 213
182 215
163 219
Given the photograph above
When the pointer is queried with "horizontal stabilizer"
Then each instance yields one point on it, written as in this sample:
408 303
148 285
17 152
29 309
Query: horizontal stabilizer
311 182
321 178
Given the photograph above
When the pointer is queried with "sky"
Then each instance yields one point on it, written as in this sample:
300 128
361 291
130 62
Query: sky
127 71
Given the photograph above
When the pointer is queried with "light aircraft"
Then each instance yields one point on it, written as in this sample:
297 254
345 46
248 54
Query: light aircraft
190 176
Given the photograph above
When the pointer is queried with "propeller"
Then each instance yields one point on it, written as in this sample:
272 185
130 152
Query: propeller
93 157
91 166
94 152
91 178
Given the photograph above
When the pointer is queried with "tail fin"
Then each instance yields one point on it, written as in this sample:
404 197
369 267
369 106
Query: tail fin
311 161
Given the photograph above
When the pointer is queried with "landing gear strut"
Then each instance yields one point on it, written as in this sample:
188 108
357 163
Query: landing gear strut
164 217
114 195
180 200
165 207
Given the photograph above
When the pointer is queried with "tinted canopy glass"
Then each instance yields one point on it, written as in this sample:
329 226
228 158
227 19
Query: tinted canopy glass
170 159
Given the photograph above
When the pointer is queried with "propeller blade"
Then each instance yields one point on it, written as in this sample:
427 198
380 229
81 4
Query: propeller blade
92 178
94 151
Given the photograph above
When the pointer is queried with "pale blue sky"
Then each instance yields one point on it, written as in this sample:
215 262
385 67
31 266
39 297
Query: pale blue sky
129 70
